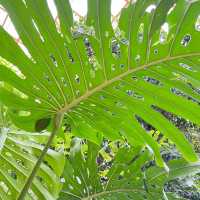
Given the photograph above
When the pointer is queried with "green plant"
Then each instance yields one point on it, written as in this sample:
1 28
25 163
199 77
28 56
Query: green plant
19 154
124 178
19 151
101 81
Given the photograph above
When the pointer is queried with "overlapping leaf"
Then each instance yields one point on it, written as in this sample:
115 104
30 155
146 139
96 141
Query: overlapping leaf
19 152
125 178
105 79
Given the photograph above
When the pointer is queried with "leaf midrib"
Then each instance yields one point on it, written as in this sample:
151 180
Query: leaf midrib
111 192
103 193
106 83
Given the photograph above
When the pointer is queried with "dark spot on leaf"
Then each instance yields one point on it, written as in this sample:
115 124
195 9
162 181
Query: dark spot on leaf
155 51
41 124
122 66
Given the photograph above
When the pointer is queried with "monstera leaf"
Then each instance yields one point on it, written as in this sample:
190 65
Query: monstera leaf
124 179
19 152
104 80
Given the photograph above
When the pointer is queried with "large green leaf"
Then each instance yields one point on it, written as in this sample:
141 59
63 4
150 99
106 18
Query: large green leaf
104 88
19 152
125 179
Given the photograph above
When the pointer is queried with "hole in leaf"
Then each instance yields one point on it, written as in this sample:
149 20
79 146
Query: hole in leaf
137 58
69 55
150 8
141 33
70 187
134 78
186 66
144 124
88 47
38 101
21 163
152 80
46 77
54 60
195 89
62 180
115 48
63 81
129 92
12 174
124 41
78 180
118 103
171 9
164 31
134 94
186 39
197 24
181 93
12 67
77 78
183 124
78 30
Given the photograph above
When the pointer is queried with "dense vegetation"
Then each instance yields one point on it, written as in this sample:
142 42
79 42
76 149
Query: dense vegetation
90 110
